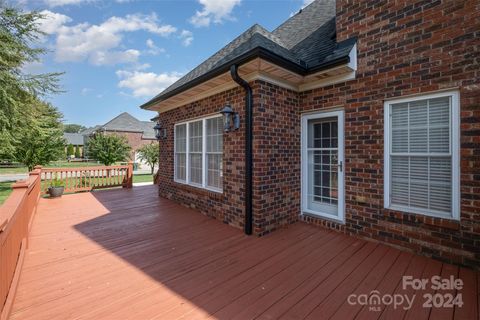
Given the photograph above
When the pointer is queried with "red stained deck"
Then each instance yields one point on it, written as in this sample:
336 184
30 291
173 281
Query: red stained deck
128 254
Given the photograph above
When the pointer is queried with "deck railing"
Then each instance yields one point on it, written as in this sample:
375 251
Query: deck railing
88 178
17 212
16 215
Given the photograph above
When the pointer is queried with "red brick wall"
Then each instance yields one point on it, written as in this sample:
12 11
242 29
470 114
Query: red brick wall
403 48
229 205
407 48
134 139
276 145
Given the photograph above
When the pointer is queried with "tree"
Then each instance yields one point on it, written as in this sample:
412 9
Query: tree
108 149
149 154
73 128
20 92
70 150
77 152
42 140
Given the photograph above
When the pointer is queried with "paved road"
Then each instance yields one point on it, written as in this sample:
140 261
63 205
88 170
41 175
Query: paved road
13 177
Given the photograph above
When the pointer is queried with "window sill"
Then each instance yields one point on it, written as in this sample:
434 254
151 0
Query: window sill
418 211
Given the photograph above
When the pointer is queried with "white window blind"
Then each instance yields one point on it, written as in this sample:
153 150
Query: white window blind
181 152
214 152
199 153
195 132
420 157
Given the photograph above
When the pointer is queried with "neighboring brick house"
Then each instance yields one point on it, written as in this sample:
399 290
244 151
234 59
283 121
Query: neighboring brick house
137 133
76 140
365 119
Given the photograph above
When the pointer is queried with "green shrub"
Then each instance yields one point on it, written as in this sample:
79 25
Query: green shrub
77 151
55 183
70 151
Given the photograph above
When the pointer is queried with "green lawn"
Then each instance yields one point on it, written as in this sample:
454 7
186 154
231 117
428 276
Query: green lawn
13 170
72 164
5 190
142 178
50 165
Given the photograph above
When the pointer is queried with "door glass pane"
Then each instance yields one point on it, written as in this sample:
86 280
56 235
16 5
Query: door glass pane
322 154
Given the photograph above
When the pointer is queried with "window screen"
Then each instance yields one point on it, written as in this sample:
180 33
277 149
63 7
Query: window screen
199 153
420 155
195 132
181 152
214 152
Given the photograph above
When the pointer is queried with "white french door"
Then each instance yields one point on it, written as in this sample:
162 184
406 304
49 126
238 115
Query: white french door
322 165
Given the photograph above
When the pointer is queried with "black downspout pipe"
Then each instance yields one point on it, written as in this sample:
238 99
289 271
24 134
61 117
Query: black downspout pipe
248 146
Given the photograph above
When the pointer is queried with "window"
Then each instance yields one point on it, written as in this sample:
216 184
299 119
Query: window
422 155
181 152
195 152
199 153
214 152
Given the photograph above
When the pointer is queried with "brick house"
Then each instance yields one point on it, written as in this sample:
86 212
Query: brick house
364 118
137 133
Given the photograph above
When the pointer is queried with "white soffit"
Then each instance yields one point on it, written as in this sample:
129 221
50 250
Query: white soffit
259 69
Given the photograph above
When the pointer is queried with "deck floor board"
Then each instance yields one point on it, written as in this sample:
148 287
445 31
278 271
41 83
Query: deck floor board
128 254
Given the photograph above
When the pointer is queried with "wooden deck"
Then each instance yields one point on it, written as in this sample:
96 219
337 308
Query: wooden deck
128 254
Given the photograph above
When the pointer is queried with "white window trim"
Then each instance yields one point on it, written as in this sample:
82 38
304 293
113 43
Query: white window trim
454 149
340 218
187 181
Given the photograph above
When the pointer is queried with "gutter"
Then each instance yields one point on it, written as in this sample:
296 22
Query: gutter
248 146
258 52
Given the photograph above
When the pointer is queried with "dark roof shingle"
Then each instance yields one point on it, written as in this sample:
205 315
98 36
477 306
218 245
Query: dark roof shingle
307 39
125 122
74 138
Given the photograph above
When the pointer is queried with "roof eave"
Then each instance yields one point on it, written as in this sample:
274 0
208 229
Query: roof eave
258 52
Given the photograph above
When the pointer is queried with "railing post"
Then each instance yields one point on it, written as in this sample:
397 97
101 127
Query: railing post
23 208
37 170
36 190
130 175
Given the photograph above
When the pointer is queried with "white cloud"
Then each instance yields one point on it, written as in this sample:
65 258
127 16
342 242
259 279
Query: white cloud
52 21
99 44
152 48
146 84
143 66
86 91
59 3
100 58
304 4
215 11
33 67
187 37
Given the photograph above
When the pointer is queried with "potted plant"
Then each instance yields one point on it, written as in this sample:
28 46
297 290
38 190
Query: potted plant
56 188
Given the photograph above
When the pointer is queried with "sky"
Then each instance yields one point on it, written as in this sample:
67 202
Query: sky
118 54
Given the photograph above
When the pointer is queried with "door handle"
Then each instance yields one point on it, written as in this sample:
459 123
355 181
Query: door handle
340 166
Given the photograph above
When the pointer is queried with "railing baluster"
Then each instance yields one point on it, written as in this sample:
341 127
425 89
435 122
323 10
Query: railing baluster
85 178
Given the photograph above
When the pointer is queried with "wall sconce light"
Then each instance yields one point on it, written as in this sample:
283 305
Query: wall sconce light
159 131
231 119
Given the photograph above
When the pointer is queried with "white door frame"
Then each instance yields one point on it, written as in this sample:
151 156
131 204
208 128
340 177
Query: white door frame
341 162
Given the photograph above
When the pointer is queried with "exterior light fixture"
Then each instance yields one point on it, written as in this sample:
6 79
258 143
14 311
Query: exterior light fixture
159 131
231 119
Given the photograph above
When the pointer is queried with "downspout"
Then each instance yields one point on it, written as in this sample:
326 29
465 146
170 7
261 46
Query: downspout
248 146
